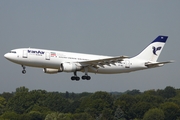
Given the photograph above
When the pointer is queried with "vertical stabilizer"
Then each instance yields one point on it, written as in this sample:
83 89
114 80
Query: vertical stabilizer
153 50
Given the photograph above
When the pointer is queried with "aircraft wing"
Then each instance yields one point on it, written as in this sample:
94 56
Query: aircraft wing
101 62
157 64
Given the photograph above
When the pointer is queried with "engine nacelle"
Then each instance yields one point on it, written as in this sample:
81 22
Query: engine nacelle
51 70
70 67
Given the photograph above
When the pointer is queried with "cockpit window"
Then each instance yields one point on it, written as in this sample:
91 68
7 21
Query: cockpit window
13 52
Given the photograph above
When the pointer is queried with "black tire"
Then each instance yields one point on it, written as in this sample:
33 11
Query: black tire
88 77
83 77
73 78
24 71
77 78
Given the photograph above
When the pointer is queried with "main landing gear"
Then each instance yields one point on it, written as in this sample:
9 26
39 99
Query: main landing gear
75 77
84 77
24 69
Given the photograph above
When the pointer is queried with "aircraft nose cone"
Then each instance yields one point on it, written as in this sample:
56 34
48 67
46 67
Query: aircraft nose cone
6 55
10 56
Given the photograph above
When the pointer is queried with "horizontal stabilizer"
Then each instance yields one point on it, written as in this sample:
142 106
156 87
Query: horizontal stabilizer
158 64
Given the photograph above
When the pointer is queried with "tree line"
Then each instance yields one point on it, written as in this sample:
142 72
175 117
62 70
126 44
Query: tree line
161 104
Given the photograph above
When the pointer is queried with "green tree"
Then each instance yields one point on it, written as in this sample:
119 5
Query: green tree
19 103
133 92
148 98
9 116
7 95
107 114
154 114
171 110
96 103
22 89
71 108
67 94
102 95
119 114
82 116
150 92
35 115
55 102
23 101
38 109
58 116
140 108
168 92
175 100
2 105
126 102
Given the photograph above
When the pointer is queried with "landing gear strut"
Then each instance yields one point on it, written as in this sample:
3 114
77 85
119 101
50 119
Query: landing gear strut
24 69
75 77
86 77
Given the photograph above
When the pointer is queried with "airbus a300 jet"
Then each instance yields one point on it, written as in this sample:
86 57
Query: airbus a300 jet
59 61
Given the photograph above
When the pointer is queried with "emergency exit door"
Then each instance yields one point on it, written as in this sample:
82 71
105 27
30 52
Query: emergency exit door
127 64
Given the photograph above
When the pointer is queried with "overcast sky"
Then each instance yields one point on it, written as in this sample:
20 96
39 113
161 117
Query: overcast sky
104 27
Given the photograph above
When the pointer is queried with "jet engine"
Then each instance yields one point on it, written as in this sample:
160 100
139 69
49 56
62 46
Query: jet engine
51 70
70 67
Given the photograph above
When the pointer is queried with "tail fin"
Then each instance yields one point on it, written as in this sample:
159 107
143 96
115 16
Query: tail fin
153 50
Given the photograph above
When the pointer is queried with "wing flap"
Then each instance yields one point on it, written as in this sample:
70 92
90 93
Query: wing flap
102 62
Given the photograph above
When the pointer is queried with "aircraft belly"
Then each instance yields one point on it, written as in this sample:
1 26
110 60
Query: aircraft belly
112 71
115 70
108 70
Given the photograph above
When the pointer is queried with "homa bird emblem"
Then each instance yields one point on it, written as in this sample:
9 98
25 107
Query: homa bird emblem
155 49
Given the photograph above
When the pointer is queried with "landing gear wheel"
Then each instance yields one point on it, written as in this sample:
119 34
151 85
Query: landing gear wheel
75 78
23 71
83 77
72 78
86 77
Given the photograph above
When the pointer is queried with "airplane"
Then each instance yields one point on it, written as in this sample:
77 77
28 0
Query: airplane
59 61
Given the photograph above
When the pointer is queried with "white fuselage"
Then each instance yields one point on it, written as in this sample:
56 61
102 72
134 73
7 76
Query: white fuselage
58 61
52 59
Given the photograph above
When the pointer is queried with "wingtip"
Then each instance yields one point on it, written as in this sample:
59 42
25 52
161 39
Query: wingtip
171 61
124 56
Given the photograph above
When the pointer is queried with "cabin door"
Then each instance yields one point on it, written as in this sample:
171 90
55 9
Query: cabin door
25 54
47 56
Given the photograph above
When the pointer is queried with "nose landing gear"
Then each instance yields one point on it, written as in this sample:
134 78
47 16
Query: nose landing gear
24 69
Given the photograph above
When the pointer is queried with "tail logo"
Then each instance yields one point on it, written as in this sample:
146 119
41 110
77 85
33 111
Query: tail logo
156 49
